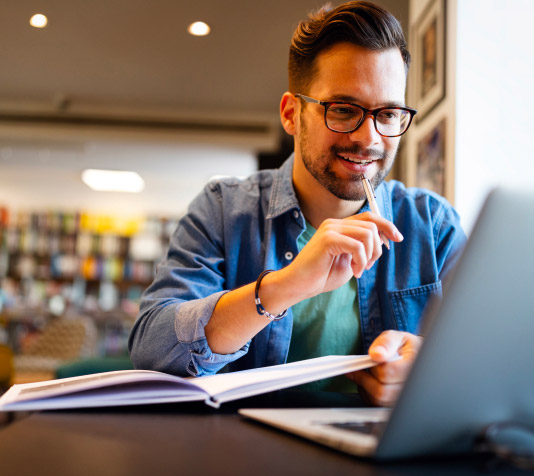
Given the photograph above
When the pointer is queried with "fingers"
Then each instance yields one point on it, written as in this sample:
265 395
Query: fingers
396 352
365 229
360 238
385 231
384 226
390 345
375 391
340 249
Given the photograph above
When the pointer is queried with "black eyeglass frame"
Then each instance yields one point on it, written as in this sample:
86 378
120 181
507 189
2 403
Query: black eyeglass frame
366 112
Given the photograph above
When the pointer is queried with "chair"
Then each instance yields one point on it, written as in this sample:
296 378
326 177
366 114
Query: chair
63 340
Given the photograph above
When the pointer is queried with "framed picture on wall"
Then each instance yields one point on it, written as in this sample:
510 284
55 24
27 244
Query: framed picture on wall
428 39
431 171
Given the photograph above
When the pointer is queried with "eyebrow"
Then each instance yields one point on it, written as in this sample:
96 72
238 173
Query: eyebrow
350 99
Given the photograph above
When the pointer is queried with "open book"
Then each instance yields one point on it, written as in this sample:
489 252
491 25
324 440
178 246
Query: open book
135 387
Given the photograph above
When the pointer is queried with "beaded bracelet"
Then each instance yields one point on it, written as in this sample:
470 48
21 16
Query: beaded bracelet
261 310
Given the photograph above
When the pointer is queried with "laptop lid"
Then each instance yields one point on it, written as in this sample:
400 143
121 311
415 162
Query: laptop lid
476 364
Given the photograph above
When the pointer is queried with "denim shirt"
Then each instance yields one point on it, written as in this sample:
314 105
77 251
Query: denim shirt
234 229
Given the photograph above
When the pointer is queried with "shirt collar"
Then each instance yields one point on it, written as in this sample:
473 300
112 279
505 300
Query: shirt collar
283 197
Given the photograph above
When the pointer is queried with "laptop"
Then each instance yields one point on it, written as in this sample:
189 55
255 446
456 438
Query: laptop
476 365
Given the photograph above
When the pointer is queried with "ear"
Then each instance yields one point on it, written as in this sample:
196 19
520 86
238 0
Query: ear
288 113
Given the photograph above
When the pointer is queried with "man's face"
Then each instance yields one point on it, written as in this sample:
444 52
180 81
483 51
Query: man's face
335 160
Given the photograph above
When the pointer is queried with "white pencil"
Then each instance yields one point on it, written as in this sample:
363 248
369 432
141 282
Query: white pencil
370 193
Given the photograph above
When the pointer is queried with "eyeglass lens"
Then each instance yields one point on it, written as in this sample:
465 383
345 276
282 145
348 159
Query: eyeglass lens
346 117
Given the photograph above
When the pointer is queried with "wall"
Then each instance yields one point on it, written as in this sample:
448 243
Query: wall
494 104
488 100
445 108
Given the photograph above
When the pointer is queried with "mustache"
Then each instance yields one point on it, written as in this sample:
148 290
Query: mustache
371 154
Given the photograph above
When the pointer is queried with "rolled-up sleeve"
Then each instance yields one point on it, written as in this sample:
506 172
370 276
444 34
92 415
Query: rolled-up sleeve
170 338
168 335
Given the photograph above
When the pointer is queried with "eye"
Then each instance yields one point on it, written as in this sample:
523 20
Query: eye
390 115
344 111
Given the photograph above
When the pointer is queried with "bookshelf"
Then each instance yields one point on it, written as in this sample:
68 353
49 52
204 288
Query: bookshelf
61 263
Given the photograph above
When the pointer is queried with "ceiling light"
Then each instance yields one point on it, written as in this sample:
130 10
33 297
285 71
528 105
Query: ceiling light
38 20
113 180
199 28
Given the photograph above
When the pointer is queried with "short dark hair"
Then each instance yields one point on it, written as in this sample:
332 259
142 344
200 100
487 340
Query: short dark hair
361 23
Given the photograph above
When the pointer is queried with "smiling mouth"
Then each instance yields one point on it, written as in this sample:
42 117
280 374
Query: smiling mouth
356 161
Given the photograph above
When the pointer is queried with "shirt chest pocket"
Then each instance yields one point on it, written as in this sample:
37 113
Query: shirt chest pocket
408 305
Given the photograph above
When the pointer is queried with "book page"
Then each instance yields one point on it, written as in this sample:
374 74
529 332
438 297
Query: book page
137 393
116 382
255 381
127 387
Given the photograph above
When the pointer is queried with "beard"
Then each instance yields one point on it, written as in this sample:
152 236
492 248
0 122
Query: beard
351 189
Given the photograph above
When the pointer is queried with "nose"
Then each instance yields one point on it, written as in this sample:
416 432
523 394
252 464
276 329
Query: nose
366 135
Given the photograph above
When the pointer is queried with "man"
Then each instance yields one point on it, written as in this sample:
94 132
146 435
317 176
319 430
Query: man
212 306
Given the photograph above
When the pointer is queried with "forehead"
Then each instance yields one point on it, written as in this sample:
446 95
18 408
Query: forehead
371 77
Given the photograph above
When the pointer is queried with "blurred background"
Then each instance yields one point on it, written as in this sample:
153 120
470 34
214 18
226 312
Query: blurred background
124 86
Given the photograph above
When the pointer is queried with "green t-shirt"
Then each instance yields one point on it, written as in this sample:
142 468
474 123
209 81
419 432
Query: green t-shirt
327 324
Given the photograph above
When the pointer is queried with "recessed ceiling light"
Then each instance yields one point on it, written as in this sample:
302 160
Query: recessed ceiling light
199 28
113 180
38 20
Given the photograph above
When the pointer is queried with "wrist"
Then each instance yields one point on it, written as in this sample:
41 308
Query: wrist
260 309
280 290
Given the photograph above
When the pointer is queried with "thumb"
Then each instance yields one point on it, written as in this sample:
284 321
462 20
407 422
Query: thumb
386 346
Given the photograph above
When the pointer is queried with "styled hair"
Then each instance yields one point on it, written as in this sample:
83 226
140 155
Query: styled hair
360 23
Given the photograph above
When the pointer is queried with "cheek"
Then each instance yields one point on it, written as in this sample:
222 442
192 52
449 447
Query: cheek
391 145
308 133
314 136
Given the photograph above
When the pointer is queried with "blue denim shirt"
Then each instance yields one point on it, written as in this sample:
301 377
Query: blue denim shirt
237 228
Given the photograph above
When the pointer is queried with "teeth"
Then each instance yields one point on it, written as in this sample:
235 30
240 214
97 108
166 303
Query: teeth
359 162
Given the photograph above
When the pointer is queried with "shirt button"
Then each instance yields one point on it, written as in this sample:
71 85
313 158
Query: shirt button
288 256
296 214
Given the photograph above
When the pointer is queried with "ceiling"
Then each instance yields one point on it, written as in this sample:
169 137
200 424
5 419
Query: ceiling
111 72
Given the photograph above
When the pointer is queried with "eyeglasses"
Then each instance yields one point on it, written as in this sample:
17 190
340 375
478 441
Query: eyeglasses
347 117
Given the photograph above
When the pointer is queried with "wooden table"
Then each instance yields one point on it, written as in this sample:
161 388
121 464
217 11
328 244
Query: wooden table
190 439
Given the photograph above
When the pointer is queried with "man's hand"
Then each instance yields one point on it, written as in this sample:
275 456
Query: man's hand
395 351
340 249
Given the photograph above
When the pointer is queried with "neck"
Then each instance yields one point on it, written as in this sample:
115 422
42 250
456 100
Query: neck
316 202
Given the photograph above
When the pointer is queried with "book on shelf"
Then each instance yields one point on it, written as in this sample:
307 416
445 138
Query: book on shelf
137 387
